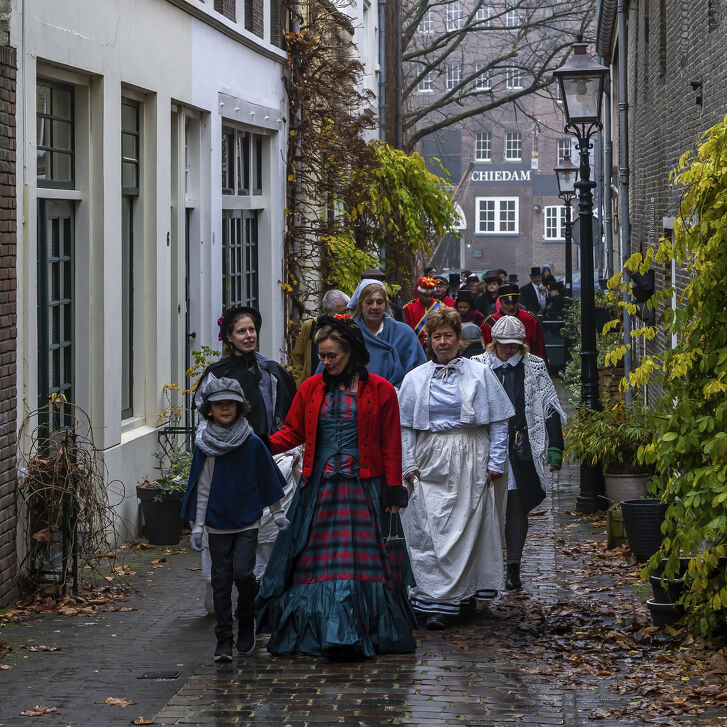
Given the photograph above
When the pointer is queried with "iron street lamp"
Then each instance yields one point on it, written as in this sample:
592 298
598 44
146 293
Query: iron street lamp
581 82
566 173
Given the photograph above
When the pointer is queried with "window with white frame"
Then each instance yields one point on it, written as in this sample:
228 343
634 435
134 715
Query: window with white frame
426 25
426 84
513 146
564 149
483 146
496 215
454 15
554 221
512 18
513 77
454 75
483 82
484 13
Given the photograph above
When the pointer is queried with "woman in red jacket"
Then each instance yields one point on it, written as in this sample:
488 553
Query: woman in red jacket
328 589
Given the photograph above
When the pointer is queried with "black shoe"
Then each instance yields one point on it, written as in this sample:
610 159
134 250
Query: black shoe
246 635
223 652
436 622
513 582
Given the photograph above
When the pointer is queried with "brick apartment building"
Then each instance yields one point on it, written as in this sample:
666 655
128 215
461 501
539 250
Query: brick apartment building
501 163
8 298
676 89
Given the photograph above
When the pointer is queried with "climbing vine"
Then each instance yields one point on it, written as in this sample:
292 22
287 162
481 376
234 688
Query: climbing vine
689 448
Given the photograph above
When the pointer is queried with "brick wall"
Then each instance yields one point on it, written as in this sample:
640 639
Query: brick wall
254 18
671 44
226 7
8 290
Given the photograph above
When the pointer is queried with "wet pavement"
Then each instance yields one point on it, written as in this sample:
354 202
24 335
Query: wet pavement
559 653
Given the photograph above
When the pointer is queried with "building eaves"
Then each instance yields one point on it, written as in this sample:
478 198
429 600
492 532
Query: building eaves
605 28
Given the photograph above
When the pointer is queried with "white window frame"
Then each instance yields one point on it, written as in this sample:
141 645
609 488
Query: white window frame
454 16
426 24
512 18
498 206
513 77
454 75
510 138
483 139
564 145
483 82
484 13
426 84
554 222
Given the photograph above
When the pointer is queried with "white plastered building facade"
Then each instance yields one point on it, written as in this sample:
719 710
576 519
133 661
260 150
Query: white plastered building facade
151 183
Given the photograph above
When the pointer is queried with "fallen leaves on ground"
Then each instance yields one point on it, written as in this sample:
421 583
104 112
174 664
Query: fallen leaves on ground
141 720
5 667
39 647
118 701
37 711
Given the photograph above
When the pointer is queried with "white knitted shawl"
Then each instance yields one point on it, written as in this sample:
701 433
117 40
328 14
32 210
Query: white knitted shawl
541 399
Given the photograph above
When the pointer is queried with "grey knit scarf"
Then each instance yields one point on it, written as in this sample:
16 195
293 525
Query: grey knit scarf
215 441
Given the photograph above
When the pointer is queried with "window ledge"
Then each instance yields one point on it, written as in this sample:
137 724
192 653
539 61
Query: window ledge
134 427
230 29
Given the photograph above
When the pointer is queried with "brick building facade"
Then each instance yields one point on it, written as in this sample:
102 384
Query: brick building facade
8 329
676 89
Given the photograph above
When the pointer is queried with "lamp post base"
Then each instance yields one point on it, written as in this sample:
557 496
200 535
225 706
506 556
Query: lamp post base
589 499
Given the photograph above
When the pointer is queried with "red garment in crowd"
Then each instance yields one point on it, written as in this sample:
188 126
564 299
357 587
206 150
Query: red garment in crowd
379 430
473 316
414 312
533 332
448 301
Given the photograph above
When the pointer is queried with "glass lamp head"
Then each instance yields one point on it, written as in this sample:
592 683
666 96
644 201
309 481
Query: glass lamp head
581 82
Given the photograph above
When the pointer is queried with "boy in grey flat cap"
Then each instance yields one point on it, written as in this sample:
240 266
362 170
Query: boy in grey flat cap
233 477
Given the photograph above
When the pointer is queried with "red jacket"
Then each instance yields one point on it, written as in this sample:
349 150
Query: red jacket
533 332
379 430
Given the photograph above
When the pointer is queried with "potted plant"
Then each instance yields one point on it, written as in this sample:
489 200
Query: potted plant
610 439
161 498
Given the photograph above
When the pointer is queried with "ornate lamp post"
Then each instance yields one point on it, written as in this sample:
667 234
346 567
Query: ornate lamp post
567 175
581 82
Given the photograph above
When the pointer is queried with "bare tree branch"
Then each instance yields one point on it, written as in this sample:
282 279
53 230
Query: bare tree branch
463 58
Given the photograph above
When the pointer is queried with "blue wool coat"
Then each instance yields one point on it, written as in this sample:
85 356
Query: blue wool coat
244 481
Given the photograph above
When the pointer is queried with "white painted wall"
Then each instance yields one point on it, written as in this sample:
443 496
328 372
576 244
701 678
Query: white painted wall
179 66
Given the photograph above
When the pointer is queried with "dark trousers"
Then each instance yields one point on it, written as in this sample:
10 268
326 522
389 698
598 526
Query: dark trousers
516 527
233 561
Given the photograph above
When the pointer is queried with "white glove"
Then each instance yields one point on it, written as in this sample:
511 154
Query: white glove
282 522
195 541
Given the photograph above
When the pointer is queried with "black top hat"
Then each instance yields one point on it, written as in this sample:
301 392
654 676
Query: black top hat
535 270
374 274
491 276
509 291
465 296
512 278
454 280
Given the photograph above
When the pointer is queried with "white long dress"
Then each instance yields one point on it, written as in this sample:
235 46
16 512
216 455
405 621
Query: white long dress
452 524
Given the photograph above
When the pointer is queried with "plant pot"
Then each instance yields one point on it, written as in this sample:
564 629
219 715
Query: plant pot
608 383
621 487
683 566
642 522
615 534
665 614
666 591
162 520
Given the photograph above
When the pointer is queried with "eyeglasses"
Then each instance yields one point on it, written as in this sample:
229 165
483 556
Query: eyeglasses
328 357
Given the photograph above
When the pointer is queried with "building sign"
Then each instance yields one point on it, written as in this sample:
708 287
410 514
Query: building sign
500 175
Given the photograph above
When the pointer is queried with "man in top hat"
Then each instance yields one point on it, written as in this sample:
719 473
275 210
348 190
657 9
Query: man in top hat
533 295
509 300
397 312
441 292
417 311
487 302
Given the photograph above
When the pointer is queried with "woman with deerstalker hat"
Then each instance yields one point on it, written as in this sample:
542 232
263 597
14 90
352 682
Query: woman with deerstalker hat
328 590
535 432
269 391
454 440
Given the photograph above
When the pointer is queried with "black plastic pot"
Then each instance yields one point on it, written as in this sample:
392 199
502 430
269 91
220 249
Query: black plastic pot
668 591
665 614
642 523
162 520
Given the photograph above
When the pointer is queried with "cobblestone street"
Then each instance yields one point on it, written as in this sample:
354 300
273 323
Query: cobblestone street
508 666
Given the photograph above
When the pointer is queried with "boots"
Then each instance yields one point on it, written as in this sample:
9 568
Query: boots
513 582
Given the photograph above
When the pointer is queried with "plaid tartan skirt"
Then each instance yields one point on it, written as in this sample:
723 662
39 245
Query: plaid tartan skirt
329 588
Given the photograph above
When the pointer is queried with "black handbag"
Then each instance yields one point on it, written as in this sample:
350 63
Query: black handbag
521 445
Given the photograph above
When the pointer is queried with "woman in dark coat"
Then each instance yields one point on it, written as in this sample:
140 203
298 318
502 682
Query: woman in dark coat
329 588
